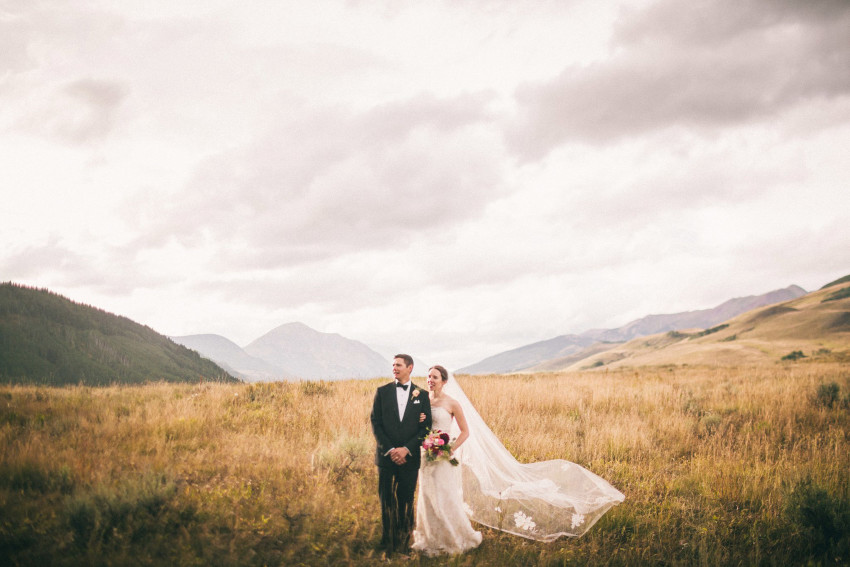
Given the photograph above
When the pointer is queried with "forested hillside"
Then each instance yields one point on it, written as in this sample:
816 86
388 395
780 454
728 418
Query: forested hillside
47 339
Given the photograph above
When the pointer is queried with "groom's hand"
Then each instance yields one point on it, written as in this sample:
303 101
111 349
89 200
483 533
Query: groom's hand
399 455
421 417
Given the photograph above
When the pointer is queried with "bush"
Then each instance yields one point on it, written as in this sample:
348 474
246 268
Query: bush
33 477
794 355
836 295
827 395
823 518
136 511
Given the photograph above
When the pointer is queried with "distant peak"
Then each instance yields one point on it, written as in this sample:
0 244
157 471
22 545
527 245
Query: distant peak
294 324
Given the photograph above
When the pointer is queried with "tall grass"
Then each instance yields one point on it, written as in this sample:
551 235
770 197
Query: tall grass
719 466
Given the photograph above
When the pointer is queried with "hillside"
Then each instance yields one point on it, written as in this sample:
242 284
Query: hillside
816 325
554 353
699 319
48 339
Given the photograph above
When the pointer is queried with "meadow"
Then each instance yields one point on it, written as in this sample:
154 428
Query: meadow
720 466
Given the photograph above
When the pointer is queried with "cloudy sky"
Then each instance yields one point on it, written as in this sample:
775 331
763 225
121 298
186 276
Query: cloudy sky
452 179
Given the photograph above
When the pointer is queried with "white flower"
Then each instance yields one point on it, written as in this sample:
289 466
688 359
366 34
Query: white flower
578 519
524 522
499 510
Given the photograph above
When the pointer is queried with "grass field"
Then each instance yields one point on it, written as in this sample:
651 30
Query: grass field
741 466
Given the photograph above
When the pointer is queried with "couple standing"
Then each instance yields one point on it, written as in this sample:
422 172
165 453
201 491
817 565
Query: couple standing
402 415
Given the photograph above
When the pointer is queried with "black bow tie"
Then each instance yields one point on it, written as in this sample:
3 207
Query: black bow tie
400 385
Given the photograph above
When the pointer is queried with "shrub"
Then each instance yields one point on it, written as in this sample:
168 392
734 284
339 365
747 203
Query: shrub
822 517
134 510
827 395
708 424
33 477
711 330
836 295
794 355
318 388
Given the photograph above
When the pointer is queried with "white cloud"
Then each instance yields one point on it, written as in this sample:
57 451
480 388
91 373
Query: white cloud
757 60
329 183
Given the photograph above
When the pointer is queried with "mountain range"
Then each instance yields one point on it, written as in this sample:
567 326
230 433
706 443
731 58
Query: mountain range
46 338
293 350
784 324
813 326
561 347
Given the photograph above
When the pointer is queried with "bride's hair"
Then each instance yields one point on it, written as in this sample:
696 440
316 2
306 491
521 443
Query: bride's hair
444 374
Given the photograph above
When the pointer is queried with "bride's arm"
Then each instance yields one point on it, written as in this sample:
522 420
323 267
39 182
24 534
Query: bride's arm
457 411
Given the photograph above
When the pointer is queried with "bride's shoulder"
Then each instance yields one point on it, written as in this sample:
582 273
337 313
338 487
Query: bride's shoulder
451 403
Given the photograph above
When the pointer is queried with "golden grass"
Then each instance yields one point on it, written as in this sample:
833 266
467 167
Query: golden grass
718 465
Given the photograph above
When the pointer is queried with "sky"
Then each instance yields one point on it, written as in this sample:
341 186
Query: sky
451 179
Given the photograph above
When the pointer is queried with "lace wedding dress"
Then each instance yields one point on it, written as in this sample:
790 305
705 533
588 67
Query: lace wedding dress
442 523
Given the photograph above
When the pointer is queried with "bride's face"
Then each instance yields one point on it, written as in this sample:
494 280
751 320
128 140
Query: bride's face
435 381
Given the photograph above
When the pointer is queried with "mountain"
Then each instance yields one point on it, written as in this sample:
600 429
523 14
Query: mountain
701 319
48 339
312 355
537 354
813 326
529 355
233 358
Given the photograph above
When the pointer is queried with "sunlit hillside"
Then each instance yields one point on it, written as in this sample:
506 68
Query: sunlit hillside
816 325
719 466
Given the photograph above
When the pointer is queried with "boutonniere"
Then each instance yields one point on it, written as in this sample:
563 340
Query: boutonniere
415 393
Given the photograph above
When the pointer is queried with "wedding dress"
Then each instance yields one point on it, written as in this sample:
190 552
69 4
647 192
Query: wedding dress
542 501
442 523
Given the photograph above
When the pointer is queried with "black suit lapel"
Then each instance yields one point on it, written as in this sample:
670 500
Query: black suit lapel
392 399
408 408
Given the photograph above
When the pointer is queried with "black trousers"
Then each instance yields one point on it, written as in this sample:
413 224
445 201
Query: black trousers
396 488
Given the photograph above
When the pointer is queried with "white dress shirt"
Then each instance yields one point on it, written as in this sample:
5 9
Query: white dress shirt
402 396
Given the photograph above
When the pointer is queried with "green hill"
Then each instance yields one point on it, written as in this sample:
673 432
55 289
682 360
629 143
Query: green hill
48 339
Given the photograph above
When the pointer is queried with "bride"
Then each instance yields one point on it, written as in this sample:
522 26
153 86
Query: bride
442 524
541 501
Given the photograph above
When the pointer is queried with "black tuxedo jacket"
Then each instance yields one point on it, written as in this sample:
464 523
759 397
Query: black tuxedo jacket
391 432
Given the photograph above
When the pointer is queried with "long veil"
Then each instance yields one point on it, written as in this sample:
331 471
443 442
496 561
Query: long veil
541 501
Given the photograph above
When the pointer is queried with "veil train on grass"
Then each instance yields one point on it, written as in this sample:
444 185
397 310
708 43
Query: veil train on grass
541 501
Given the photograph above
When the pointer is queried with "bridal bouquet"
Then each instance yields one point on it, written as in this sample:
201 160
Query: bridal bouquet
438 447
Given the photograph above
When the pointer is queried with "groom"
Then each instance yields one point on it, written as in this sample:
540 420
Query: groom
399 433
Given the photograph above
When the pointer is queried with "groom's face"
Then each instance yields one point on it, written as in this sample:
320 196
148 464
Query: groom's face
401 371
